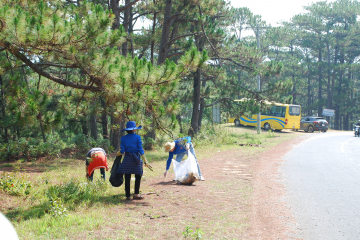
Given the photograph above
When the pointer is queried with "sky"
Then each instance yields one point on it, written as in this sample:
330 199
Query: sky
273 11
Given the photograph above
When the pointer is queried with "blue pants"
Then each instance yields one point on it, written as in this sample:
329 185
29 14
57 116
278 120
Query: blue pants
180 156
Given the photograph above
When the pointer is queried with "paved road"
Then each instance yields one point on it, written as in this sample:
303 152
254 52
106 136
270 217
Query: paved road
322 177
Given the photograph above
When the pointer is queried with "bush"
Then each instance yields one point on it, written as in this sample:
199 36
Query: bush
83 142
31 148
214 135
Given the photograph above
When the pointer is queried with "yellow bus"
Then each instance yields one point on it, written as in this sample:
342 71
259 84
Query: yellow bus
279 116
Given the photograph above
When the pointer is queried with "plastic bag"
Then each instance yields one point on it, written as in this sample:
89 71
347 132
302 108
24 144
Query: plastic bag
116 179
186 172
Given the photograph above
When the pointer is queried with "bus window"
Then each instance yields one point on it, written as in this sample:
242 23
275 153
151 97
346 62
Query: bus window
277 111
294 111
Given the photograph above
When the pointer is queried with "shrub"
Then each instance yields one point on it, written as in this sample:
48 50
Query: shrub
31 148
83 142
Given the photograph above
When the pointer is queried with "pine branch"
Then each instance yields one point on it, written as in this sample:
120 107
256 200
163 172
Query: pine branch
123 8
174 39
43 73
175 54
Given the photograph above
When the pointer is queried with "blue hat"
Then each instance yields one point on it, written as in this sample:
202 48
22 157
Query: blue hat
131 125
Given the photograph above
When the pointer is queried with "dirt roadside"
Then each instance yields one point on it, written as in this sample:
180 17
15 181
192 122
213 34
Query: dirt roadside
240 199
270 216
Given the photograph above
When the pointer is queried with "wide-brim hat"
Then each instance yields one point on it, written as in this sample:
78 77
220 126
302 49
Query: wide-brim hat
168 146
131 125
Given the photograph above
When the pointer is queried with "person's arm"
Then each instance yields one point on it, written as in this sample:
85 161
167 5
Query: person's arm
122 146
168 163
139 145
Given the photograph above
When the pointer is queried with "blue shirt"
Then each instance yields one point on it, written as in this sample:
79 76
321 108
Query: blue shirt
131 143
179 148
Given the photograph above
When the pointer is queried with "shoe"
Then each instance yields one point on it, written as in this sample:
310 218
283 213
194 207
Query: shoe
128 198
138 197
202 178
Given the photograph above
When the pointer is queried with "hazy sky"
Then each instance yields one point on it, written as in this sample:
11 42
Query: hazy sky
273 11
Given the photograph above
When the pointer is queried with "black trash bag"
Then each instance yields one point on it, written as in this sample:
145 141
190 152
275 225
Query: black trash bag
116 179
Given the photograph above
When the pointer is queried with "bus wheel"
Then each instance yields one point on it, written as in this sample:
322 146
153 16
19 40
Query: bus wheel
266 126
237 122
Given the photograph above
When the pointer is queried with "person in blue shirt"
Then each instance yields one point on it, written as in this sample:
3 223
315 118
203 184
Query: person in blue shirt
180 147
133 160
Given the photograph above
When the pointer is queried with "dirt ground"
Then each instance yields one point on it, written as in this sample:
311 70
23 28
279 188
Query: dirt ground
240 199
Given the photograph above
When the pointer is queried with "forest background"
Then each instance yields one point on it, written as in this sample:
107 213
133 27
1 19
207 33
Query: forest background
74 72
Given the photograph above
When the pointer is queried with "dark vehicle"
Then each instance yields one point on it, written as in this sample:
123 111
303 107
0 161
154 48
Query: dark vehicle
357 131
311 124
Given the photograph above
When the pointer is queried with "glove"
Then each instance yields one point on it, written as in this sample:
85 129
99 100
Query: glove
118 153
146 162
165 173
187 146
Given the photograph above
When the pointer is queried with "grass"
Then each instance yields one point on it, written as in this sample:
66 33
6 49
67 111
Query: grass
81 209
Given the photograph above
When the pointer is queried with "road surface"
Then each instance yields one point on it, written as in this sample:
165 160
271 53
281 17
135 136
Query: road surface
322 178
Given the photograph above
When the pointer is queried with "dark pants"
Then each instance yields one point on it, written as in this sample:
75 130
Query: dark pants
102 171
127 184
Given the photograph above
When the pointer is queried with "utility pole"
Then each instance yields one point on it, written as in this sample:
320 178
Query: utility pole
258 81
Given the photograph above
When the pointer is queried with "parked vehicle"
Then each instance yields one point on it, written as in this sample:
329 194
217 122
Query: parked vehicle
357 131
311 124
277 116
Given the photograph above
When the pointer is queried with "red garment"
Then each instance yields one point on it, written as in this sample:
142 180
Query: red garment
98 160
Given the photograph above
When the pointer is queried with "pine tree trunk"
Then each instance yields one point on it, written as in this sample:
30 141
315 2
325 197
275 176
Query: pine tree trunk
116 132
201 113
124 47
93 127
178 117
329 96
202 106
165 33
339 91
104 120
320 106
42 130
346 122
153 37
6 138
196 104
84 126
308 92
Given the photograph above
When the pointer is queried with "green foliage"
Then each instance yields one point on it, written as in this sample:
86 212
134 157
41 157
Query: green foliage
188 232
15 184
212 135
31 148
74 192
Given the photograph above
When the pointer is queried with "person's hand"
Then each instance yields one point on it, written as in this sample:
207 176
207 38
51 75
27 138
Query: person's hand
87 175
165 173
107 168
187 146
148 166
